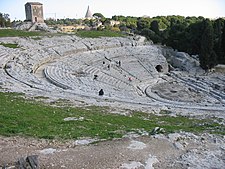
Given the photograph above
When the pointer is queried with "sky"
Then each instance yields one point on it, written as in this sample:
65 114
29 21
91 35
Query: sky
77 8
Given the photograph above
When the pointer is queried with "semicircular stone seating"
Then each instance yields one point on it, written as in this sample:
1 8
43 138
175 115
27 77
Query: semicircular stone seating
122 67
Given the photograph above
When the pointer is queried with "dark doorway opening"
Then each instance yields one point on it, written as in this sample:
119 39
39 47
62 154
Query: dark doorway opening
159 68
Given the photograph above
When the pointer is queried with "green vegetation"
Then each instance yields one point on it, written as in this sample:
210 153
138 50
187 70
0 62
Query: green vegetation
10 45
196 36
97 34
221 48
4 20
14 33
207 55
35 119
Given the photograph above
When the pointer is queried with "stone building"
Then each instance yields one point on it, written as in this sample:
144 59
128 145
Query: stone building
34 12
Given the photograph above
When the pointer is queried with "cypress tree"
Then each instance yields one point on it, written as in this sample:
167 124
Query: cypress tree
207 55
218 28
222 57
154 26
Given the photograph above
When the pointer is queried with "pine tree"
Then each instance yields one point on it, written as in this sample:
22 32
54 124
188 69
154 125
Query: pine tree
207 56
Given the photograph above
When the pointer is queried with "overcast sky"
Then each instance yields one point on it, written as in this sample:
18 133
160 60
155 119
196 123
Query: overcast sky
77 8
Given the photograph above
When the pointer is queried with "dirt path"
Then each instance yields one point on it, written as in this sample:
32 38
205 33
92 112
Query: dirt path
173 151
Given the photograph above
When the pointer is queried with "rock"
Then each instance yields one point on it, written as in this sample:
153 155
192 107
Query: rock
160 136
174 137
21 164
203 159
29 26
73 119
151 160
185 62
131 135
33 161
48 151
137 165
178 145
157 130
132 165
84 141
136 145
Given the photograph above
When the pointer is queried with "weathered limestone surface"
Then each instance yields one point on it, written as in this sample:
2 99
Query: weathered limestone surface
126 69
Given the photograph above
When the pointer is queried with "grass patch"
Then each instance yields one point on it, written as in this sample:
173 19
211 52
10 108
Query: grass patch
19 33
36 38
30 118
9 45
37 35
41 97
97 34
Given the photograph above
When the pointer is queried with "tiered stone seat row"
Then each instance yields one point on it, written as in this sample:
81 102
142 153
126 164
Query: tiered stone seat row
81 85
201 86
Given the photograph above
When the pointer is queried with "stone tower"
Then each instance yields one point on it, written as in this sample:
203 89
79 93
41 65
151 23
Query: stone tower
34 12
88 14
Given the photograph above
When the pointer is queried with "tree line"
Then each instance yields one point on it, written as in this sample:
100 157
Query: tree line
194 35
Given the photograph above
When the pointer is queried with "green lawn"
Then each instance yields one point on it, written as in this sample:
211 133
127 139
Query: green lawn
36 119
97 34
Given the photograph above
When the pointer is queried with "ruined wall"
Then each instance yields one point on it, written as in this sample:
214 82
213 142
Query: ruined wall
34 12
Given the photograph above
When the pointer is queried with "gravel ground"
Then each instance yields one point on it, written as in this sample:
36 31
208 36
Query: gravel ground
178 150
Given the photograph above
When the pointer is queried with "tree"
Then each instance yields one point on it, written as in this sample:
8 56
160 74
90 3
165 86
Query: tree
155 26
131 23
119 18
123 27
143 23
207 56
194 35
87 22
175 19
151 35
50 21
67 22
222 46
177 38
162 21
4 20
98 16
107 23
218 26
